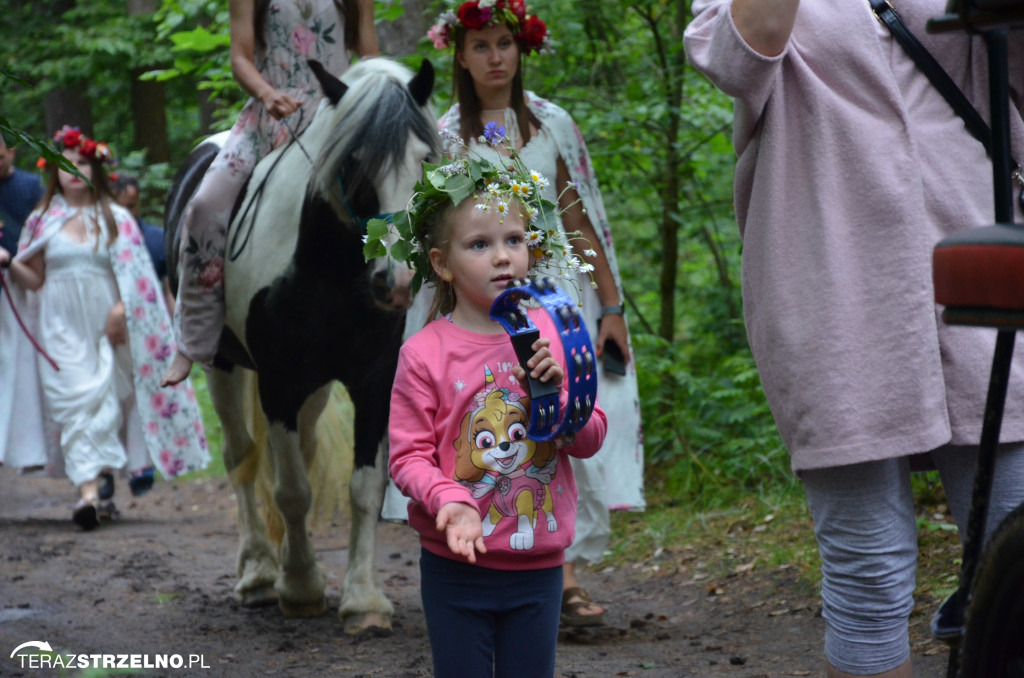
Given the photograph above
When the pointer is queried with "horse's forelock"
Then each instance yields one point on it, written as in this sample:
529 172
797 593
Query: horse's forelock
369 128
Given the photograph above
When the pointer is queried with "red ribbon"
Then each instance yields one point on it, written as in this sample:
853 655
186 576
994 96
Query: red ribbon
17 316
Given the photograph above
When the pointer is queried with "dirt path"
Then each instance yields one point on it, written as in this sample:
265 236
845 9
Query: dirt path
159 582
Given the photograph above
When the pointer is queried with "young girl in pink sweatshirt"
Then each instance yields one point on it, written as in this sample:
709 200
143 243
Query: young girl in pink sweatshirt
494 509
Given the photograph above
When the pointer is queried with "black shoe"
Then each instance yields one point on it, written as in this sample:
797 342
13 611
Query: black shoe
948 621
85 515
141 482
106 488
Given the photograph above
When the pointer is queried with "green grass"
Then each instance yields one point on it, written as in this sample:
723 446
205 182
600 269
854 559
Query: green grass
772 531
751 534
214 434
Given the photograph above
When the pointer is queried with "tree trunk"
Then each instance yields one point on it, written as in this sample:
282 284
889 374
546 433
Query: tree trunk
150 115
399 38
669 231
68 106
671 58
207 109
149 102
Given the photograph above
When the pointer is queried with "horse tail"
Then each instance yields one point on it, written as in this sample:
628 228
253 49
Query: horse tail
329 472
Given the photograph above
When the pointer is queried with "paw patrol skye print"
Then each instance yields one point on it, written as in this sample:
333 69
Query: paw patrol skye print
494 457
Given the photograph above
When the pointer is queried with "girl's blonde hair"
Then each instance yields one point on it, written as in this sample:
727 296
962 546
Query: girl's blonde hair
438 234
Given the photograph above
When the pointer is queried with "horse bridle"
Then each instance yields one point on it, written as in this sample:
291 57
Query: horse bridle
362 222
237 247
547 421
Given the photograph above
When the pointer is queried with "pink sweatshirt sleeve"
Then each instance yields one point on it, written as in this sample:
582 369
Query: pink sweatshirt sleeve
413 461
590 438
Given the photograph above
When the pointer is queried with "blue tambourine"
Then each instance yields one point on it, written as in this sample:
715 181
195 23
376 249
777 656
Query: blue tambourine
546 418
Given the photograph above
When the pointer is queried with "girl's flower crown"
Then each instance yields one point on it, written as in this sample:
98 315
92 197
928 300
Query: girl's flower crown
529 31
71 137
497 189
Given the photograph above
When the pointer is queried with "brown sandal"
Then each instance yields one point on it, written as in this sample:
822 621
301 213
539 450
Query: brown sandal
573 600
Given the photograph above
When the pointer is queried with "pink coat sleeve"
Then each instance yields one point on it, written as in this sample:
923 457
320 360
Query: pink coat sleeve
590 438
715 47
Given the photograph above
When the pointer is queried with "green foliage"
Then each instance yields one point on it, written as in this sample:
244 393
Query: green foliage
211 424
197 33
708 433
91 48
657 133
16 137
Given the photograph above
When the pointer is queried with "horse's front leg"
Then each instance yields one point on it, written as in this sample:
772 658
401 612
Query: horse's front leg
300 583
257 562
364 606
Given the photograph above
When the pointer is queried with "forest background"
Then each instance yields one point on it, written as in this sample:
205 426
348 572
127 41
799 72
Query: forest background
152 78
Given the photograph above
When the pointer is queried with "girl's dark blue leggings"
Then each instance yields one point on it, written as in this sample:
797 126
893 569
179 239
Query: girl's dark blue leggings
484 622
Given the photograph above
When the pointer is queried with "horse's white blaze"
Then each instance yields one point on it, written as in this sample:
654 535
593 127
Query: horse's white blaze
394 194
396 188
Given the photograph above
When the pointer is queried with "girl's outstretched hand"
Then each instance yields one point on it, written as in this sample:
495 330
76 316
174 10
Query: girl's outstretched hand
461 525
543 366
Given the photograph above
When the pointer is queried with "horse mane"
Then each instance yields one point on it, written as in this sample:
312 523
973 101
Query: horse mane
367 131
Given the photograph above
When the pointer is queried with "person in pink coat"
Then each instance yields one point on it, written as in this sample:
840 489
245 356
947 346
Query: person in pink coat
851 167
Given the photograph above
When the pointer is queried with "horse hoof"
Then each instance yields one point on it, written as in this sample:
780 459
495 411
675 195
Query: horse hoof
302 610
258 598
368 623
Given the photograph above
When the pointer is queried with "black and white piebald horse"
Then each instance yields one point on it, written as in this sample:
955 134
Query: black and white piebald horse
303 309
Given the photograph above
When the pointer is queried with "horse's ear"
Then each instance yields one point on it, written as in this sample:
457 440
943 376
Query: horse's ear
333 88
422 83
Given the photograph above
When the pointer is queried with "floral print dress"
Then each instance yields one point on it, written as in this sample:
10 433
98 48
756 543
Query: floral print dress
295 32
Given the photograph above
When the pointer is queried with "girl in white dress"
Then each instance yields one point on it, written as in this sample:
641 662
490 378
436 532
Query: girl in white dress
101 321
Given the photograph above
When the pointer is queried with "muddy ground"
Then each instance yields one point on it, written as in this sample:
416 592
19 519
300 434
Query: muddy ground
158 581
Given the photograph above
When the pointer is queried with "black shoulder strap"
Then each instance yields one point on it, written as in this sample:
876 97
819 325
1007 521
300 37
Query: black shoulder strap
976 125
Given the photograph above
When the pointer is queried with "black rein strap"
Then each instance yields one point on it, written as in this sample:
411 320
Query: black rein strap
975 124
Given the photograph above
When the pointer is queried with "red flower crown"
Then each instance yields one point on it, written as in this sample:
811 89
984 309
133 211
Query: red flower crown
71 137
529 31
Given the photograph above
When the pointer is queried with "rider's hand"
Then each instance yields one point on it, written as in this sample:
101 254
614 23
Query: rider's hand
279 104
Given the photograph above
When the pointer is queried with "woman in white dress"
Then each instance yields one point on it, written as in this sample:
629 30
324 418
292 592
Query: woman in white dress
99 318
490 40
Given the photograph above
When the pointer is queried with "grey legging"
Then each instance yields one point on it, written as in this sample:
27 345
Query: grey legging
866 530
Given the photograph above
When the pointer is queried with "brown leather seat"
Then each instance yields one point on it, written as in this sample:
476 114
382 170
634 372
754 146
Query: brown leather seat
979 276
